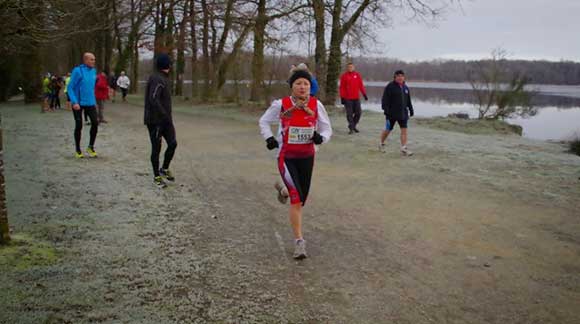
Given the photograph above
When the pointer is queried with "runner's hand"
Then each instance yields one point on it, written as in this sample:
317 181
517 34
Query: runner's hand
342 101
271 143
317 138
411 112
77 107
366 98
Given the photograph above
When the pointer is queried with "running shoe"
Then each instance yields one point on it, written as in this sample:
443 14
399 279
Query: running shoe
92 152
159 182
165 173
350 132
356 130
282 192
300 250
79 155
405 151
382 148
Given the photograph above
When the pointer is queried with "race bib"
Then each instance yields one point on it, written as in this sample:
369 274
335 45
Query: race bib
300 135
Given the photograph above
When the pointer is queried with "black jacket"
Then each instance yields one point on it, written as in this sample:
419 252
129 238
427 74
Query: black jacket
396 101
158 100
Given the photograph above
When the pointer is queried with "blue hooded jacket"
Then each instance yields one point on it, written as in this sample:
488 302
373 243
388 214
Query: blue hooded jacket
81 88
313 87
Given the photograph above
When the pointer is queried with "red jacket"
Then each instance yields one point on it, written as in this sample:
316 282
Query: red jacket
102 88
351 84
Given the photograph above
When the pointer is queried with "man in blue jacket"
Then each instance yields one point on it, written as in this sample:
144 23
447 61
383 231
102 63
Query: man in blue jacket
398 108
81 90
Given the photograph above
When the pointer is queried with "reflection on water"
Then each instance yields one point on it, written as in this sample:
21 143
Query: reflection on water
558 117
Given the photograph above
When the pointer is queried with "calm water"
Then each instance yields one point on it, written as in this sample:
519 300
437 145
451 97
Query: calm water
558 114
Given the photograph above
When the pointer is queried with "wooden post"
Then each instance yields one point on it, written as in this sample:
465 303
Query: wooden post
4 228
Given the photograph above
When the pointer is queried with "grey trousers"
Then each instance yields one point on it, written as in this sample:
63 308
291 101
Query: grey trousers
353 112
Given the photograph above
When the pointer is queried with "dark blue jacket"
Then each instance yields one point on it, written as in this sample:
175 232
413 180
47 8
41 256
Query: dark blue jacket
396 101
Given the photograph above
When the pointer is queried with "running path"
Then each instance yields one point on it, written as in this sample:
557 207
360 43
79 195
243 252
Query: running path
388 240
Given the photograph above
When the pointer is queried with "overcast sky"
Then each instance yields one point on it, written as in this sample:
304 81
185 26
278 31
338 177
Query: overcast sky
528 29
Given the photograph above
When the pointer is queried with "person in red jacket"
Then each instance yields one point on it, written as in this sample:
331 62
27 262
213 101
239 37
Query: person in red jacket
101 94
351 86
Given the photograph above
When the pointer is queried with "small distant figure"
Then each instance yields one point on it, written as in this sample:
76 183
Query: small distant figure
46 92
101 94
398 108
351 86
124 83
66 83
112 86
56 83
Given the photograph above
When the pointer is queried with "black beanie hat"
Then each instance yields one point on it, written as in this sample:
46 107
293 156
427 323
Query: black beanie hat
299 74
399 72
163 62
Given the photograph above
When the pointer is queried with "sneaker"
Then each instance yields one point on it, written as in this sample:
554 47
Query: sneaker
405 151
165 173
79 155
159 182
382 148
92 152
350 131
300 250
282 192
356 130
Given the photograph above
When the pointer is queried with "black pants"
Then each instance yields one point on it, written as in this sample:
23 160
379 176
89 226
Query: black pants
55 101
156 132
353 112
124 92
91 111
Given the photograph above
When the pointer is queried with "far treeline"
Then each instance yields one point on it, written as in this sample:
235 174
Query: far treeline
538 72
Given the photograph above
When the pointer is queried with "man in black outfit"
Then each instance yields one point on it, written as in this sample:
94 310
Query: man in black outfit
159 121
398 108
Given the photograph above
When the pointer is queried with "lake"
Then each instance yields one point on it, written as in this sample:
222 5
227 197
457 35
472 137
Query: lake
558 115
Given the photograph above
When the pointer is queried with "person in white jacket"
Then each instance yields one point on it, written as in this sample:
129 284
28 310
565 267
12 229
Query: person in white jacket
124 83
303 123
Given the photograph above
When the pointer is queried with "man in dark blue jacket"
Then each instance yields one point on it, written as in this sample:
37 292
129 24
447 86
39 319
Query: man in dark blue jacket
159 121
398 108
81 91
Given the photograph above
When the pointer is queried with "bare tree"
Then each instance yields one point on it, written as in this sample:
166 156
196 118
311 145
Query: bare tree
498 94
265 15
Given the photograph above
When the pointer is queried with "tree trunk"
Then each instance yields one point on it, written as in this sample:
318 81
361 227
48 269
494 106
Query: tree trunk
320 51
205 49
194 70
257 89
335 55
180 64
4 227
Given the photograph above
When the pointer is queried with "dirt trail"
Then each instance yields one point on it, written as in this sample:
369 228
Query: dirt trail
473 229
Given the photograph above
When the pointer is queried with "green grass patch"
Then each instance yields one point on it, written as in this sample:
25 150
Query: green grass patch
471 126
25 252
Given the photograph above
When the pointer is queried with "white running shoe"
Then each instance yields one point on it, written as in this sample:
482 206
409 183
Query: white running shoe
300 250
405 151
382 148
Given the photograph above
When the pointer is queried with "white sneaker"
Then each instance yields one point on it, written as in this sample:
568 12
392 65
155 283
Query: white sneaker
300 250
405 151
382 147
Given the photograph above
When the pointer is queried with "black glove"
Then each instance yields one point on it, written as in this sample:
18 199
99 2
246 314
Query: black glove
317 138
366 98
411 112
271 143
342 101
